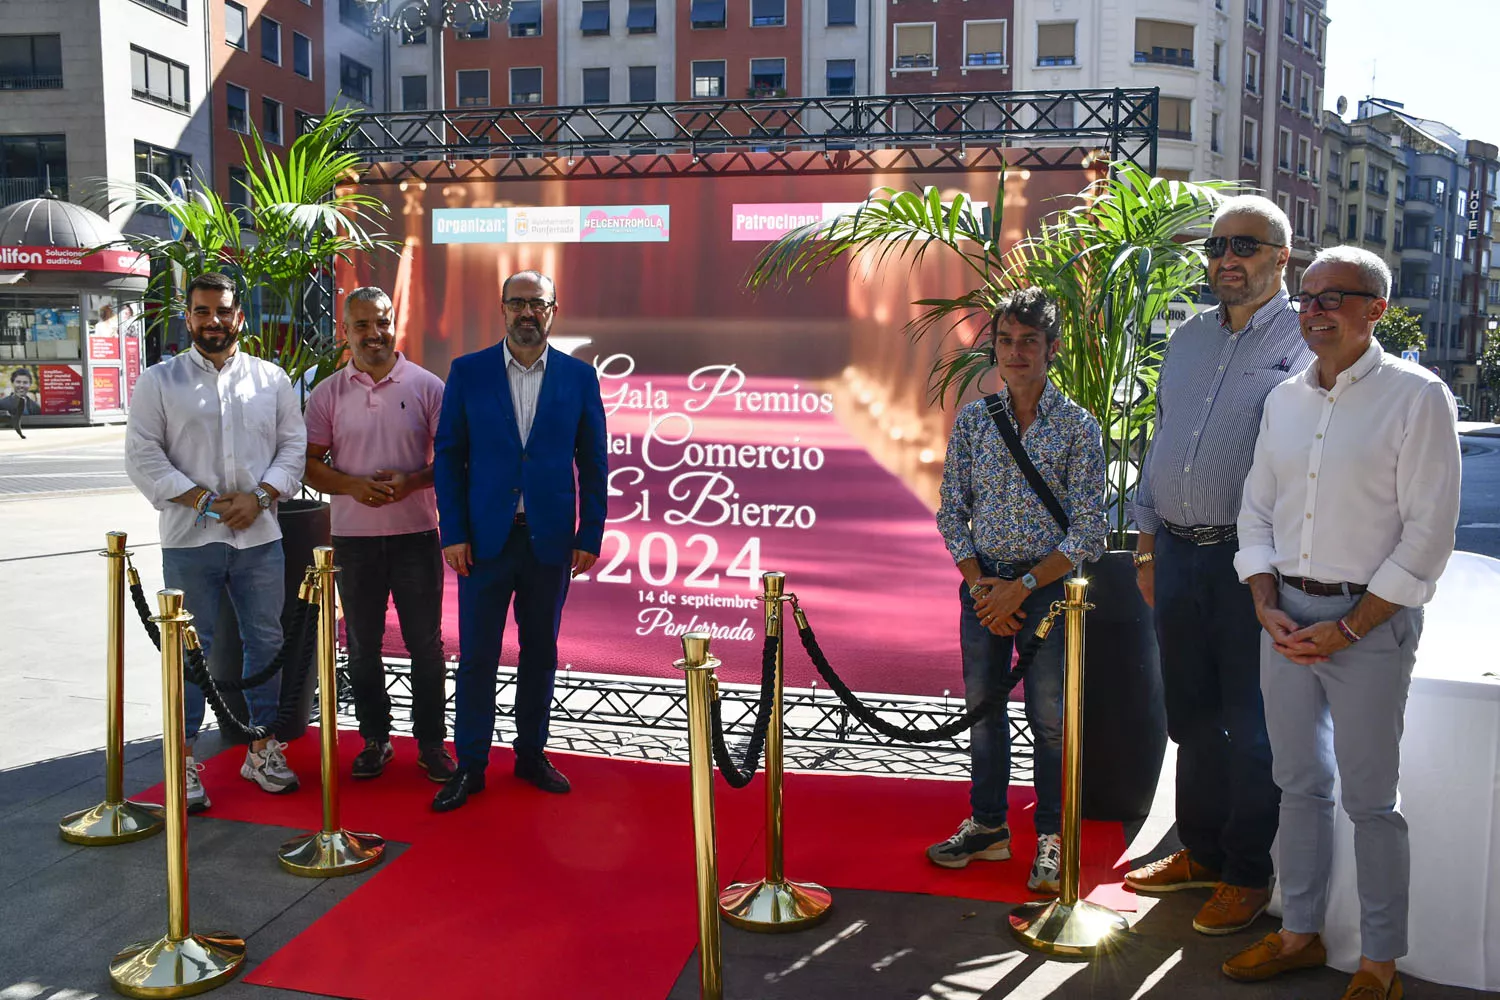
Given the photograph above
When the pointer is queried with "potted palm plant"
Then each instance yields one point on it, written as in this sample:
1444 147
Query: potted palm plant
1116 259
302 215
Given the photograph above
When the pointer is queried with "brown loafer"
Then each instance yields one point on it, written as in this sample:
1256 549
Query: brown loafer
1366 986
1265 958
1173 872
1231 908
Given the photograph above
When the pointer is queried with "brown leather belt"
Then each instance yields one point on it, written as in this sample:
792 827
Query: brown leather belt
1202 534
1319 589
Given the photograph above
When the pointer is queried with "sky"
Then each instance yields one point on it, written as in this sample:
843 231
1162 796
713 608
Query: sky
1438 57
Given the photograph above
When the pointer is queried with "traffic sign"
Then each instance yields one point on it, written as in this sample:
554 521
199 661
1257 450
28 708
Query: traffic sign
1413 355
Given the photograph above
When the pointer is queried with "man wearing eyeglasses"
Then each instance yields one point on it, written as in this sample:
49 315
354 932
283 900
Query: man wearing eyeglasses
1219 367
518 419
1348 520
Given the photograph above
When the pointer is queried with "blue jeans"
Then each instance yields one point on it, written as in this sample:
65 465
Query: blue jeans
987 659
255 581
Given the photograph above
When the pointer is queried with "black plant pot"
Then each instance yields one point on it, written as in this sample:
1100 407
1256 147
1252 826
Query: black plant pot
1124 715
305 525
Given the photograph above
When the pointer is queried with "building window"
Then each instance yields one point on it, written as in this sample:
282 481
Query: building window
1252 71
640 19
356 80
708 13
1288 76
270 40
159 168
175 9
1374 225
1176 118
525 19
1056 44
1051 114
354 15
1397 237
1353 231
916 46
1312 222
235 22
473 31
270 120
1318 45
840 78
1250 141
1304 99
1304 156
1284 202
596 85
1214 144
473 88
1355 172
239 108
1163 42
767 78
595 18
1299 219
767 13
984 44
418 37
158 79
708 78
1284 149
302 57
239 199
414 93
1309 29
30 62
302 122
642 84
1378 179
840 12
1218 62
1317 166
31 165
1254 11
526 85
1289 19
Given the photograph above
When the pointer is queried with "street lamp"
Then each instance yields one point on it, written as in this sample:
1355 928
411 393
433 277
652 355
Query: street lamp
415 16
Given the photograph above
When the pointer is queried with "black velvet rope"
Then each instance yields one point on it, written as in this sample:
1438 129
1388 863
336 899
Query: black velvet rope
738 775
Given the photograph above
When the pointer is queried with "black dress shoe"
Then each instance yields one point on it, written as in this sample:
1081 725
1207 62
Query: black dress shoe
536 769
435 760
456 791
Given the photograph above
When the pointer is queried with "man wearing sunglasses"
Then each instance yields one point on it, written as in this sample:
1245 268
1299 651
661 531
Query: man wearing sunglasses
519 420
1219 367
1348 520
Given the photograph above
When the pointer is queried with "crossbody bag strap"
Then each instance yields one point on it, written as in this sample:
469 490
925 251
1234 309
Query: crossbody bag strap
1033 477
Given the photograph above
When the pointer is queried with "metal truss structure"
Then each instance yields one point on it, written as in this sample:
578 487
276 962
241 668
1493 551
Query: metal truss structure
645 718
1035 130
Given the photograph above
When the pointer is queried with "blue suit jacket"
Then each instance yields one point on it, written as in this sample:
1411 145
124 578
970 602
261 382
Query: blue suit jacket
481 467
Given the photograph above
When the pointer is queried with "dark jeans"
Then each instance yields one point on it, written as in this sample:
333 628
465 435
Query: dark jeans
484 601
987 659
409 568
1227 802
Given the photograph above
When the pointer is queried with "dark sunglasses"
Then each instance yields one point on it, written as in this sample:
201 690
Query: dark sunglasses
1327 301
1243 246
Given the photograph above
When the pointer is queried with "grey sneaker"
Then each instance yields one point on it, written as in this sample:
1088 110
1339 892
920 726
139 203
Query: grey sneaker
972 842
197 798
268 769
1046 870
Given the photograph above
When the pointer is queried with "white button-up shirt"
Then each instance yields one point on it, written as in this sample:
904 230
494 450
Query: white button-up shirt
525 390
1357 484
227 430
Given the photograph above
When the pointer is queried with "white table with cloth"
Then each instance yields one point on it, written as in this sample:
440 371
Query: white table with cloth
1449 794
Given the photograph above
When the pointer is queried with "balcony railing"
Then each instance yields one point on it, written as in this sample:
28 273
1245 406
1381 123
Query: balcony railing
1057 61
13 189
14 81
1166 57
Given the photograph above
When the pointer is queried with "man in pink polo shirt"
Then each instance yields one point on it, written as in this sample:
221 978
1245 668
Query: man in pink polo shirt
370 428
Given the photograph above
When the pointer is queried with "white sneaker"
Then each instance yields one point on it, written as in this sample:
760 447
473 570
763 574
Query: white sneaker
268 769
1046 870
197 798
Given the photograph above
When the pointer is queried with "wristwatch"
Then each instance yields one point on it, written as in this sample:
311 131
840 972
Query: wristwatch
1028 581
1142 558
263 498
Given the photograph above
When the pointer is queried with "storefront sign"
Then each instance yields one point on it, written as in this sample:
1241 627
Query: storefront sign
106 383
24 258
1476 203
62 388
764 222
132 365
553 224
106 348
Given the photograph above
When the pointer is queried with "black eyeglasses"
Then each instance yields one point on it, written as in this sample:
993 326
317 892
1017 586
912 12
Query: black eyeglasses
535 305
1328 300
1243 246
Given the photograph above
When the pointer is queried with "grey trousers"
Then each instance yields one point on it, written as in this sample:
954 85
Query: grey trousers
1349 711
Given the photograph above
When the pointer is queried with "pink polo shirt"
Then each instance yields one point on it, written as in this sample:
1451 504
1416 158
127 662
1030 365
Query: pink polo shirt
369 427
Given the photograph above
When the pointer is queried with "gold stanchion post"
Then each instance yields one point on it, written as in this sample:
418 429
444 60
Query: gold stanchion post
116 820
182 963
702 687
1070 926
331 850
773 904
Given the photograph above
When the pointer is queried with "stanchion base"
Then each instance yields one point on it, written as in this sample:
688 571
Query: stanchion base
324 855
1078 931
177 968
773 907
111 823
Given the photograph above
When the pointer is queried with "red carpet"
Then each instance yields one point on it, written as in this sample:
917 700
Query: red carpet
526 895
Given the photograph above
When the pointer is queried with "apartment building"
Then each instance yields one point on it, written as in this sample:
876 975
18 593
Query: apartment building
1365 191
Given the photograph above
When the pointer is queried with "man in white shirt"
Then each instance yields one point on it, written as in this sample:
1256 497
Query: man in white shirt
215 438
1347 522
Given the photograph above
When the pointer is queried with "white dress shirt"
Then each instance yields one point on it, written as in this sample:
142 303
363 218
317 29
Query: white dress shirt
225 430
525 390
1357 484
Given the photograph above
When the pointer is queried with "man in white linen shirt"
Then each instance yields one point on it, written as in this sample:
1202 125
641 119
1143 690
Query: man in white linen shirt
1347 522
215 438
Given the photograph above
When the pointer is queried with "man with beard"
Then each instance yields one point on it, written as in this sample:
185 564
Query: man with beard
1214 381
518 419
370 428
215 438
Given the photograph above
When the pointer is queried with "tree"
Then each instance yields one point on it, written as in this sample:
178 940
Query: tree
1400 330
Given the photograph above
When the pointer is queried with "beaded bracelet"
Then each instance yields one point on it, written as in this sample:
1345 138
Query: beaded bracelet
1347 632
205 500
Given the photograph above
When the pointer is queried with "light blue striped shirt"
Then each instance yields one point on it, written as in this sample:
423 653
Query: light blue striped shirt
525 389
1213 385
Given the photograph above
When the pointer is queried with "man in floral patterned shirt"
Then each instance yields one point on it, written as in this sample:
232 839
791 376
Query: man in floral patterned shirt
1013 554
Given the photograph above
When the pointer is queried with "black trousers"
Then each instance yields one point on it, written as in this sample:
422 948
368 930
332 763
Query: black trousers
373 570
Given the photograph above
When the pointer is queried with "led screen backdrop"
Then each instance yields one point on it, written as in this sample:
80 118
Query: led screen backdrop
786 430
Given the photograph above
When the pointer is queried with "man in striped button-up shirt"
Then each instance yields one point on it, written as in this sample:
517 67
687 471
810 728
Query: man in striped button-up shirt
1219 368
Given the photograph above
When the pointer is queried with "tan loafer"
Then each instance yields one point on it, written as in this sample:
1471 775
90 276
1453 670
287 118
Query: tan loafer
1232 908
1267 958
1366 986
1173 872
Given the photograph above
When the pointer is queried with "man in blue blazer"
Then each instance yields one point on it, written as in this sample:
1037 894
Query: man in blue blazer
518 419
